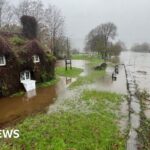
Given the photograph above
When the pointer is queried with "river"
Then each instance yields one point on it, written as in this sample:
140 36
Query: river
139 64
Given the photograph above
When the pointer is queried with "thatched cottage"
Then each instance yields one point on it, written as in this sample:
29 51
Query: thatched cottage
22 58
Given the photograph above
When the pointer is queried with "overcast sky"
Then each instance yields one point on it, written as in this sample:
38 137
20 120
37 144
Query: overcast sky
132 17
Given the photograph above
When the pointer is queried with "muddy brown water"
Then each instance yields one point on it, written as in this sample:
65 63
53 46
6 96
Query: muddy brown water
16 108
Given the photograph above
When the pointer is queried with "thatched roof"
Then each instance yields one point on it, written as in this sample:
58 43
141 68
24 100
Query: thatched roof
9 34
34 47
4 47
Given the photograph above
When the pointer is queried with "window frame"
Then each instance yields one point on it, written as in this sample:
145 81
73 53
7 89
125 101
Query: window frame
2 61
36 59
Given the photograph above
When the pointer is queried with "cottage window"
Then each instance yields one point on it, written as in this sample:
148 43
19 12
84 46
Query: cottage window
25 76
2 61
36 59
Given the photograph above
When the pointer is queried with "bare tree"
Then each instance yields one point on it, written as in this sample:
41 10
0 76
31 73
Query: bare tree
22 9
2 2
8 17
108 31
99 37
55 24
30 8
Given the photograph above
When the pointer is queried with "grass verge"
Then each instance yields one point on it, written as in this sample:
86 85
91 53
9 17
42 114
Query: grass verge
90 78
74 72
48 83
96 130
91 58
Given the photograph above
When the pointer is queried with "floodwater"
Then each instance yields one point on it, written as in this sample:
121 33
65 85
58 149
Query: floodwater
106 84
13 109
139 65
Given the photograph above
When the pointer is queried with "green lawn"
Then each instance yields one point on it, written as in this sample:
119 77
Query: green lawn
96 130
74 72
80 56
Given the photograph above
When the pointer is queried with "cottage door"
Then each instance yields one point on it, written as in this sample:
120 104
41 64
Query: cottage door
25 76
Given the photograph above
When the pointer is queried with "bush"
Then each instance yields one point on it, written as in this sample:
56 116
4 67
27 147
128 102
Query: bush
44 76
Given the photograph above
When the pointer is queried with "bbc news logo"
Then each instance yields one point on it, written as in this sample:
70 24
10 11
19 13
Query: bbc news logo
8 134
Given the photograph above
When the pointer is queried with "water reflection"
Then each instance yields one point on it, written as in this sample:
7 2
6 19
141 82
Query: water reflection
31 94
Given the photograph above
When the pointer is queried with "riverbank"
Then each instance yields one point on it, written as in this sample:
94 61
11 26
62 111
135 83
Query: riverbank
83 119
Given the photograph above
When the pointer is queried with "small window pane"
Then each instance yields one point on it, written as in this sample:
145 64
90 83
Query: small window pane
36 59
2 61
27 75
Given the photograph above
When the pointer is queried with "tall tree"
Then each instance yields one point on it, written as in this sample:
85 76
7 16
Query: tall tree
99 38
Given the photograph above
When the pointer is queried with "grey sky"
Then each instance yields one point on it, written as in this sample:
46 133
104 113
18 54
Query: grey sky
132 17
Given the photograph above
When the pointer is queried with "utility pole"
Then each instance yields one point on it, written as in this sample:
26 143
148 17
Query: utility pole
68 57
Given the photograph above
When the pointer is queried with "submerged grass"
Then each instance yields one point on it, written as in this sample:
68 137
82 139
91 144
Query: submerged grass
74 72
90 78
92 75
96 130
